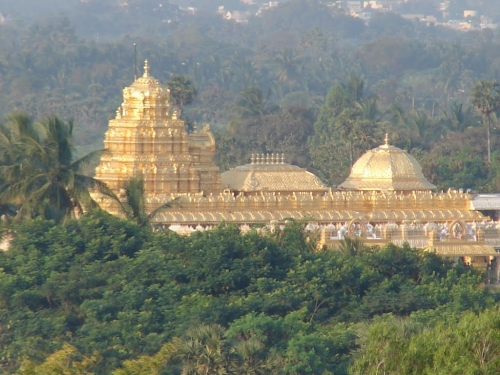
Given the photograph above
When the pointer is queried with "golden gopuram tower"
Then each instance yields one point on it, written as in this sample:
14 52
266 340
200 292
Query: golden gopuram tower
146 138
386 198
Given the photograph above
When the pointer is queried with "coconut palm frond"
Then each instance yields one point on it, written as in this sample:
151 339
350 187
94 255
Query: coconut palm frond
135 199
85 184
87 160
174 202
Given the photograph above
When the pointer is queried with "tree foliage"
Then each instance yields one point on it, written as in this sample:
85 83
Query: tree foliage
41 178
486 98
132 298
182 92
468 344
414 84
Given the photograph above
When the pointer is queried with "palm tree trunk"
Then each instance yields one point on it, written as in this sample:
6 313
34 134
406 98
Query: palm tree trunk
488 138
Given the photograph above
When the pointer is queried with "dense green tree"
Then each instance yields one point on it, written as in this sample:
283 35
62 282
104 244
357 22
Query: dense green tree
64 361
110 286
382 344
347 125
230 151
458 160
148 365
394 346
182 92
314 39
355 86
352 246
323 141
283 131
205 350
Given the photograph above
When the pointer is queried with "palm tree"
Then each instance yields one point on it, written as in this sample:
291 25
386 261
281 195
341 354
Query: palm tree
369 109
40 176
459 118
355 85
135 206
205 351
251 103
253 360
289 65
424 127
18 139
486 99
352 246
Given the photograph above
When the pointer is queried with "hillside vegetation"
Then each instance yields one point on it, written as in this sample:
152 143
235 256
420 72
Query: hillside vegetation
265 86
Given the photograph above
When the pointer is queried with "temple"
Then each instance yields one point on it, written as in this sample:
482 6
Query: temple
146 138
386 198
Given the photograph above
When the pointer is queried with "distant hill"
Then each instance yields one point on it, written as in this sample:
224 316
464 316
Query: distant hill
35 8
96 18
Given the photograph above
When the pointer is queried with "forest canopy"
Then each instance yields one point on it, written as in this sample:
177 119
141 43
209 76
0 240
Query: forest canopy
106 295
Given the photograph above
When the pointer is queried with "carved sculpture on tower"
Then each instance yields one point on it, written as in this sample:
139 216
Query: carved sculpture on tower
147 139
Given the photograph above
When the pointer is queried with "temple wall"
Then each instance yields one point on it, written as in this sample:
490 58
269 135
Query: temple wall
423 202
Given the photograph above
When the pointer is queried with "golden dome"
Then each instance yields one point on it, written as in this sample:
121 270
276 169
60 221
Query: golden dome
387 168
270 173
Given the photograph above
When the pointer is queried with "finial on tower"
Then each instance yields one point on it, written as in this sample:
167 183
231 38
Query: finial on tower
135 61
387 139
146 68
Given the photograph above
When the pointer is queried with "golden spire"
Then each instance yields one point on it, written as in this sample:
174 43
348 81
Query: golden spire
146 68
387 139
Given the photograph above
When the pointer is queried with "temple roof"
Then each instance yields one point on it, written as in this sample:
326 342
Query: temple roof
146 80
146 86
247 214
387 168
251 216
271 173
